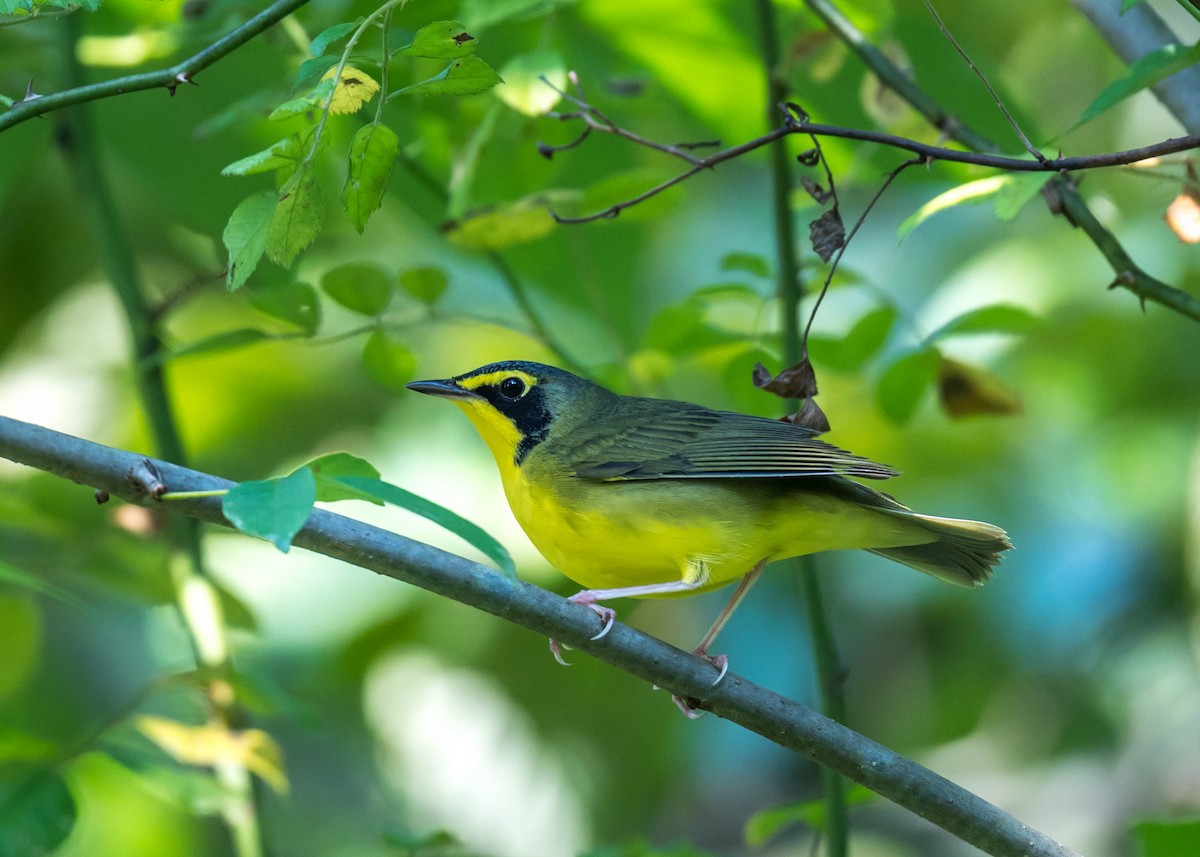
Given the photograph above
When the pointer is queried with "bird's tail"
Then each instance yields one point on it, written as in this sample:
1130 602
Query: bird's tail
963 552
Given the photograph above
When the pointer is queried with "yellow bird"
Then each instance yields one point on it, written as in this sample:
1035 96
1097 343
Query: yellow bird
635 497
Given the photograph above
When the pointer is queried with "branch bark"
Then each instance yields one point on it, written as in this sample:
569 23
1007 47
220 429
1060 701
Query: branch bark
776 718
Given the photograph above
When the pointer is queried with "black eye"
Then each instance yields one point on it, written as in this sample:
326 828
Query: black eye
512 388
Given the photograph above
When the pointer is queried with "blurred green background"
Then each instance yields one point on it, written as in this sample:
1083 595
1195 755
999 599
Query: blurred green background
1066 690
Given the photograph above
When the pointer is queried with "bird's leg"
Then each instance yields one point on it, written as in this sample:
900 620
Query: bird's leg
721 662
695 577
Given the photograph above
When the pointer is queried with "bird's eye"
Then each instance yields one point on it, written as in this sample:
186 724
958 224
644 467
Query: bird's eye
512 388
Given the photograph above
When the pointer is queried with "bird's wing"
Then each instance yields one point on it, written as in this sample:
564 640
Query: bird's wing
692 442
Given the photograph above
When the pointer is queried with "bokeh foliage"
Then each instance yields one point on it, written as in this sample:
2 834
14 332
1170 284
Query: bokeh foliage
1066 690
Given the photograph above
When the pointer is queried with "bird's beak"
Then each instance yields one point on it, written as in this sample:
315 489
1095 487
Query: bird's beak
447 389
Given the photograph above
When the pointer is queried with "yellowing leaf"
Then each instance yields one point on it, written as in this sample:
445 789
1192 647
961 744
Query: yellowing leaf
968 390
1183 216
515 223
354 89
213 744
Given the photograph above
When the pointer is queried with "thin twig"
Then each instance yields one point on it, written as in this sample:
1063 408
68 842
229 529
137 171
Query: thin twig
1029 147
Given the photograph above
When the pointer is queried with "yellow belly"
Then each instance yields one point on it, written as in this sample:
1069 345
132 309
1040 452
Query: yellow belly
611 534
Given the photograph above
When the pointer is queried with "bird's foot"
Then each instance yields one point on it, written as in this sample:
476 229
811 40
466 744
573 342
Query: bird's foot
721 662
607 616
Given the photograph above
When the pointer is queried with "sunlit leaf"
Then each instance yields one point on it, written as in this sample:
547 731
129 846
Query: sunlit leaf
975 191
332 34
272 509
312 100
292 302
905 381
1017 192
967 391
245 236
327 469
354 89
524 90
388 361
441 40
466 76
997 318
471 533
515 223
372 158
426 283
1146 71
282 153
214 744
1183 216
359 286
295 222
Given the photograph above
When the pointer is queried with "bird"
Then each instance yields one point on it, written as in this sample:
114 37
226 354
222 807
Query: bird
640 497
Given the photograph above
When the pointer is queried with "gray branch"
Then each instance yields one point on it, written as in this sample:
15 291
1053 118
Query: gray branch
1136 33
776 718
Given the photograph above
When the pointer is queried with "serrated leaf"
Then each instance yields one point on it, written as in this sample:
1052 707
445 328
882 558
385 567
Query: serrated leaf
295 303
472 534
388 361
312 100
332 34
1017 192
751 263
354 89
327 469
282 153
225 341
466 76
245 236
295 222
312 70
524 90
441 40
975 191
905 381
373 154
967 391
359 286
997 318
515 223
426 283
1145 72
272 509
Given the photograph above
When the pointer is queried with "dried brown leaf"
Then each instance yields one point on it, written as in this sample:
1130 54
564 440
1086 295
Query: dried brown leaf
827 234
815 190
969 391
795 382
810 416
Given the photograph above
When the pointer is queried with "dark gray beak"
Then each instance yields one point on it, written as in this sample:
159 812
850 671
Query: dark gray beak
446 389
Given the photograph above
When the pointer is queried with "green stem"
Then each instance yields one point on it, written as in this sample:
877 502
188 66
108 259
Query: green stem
197 598
790 291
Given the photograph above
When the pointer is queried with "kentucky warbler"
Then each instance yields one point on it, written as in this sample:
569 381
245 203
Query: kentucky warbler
630 496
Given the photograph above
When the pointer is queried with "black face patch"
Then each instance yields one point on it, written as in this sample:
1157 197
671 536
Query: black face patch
528 413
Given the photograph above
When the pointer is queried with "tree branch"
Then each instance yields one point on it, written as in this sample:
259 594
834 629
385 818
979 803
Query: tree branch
167 78
780 720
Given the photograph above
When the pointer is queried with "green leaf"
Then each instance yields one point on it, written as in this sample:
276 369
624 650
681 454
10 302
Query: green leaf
196 791
296 221
36 813
426 284
466 76
1017 192
1126 5
17 746
291 302
1145 72
860 343
975 191
312 100
389 362
327 469
484 13
245 236
332 34
766 823
311 71
905 381
372 158
751 263
225 341
524 90
282 153
10 575
359 286
21 619
441 40
997 318
472 534
515 223
272 509
1177 838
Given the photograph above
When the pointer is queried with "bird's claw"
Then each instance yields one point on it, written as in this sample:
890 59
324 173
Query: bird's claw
721 662
607 616
556 649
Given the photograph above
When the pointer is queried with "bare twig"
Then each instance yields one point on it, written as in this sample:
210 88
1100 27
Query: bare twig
1029 147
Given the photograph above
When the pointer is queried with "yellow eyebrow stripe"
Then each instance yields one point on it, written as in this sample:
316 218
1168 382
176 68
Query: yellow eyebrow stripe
474 382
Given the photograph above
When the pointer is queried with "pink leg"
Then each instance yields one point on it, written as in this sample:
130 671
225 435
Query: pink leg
590 597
